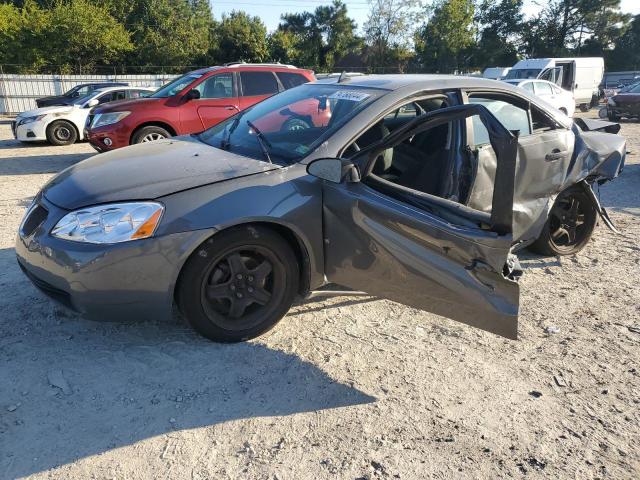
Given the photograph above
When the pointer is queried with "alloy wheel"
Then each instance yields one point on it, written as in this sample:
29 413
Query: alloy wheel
239 287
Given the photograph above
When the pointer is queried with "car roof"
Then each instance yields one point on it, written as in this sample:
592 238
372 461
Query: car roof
248 66
418 81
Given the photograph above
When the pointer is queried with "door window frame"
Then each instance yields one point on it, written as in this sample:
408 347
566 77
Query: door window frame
449 94
500 220
201 80
241 89
466 93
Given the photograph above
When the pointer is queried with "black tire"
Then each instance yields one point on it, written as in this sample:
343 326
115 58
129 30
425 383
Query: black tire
294 124
249 270
61 133
149 134
612 117
569 226
584 107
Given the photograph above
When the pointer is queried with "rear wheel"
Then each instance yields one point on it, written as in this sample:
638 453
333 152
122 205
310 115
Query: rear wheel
61 132
150 134
569 226
585 107
613 117
238 284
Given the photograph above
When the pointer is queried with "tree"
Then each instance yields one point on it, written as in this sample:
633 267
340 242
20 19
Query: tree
563 26
444 43
500 24
167 32
322 37
626 51
241 37
73 23
283 47
388 32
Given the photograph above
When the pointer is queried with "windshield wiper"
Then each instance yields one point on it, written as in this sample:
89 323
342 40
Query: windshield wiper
261 140
225 143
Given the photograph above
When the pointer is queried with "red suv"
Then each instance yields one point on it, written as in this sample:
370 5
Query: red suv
190 104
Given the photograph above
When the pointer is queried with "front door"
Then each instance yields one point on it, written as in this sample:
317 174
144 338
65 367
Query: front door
218 101
408 239
545 149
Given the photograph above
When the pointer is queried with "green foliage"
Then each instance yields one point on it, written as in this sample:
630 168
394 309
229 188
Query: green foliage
500 23
445 42
322 37
626 51
144 35
388 33
241 37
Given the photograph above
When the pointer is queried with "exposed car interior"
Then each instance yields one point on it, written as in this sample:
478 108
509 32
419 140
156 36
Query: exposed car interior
436 162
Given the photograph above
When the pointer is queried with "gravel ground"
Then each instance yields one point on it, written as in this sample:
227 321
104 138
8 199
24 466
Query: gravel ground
342 388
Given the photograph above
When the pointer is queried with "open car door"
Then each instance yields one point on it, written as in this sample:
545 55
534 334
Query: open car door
422 250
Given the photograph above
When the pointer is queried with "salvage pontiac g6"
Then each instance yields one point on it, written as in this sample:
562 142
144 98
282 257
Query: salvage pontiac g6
418 189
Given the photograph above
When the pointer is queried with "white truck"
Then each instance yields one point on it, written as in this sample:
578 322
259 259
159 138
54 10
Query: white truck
580 75
495 73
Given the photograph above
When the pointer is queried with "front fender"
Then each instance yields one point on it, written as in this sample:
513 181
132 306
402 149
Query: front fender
287 198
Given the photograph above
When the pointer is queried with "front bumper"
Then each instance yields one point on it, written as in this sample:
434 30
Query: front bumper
30 132
130 280
623 111
118 134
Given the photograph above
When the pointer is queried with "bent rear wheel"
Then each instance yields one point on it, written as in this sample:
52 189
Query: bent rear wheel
569 226
238 284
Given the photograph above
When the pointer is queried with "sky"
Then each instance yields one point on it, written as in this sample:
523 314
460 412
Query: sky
270 10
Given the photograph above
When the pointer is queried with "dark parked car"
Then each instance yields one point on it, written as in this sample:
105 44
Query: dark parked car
192 103
624 104
416 188
76 92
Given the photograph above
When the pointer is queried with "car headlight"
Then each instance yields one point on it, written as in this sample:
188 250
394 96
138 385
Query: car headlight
611 103
102 119
31 119
112 223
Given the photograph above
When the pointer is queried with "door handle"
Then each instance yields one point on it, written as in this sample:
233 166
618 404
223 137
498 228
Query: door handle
554 155
231 108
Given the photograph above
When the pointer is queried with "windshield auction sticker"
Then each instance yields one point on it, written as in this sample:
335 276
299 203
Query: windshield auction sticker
349 95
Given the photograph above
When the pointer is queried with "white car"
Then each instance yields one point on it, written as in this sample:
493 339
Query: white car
64 124
550 93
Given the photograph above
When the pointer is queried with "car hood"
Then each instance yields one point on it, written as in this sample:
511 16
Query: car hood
148 171
627 97
133 103
46 110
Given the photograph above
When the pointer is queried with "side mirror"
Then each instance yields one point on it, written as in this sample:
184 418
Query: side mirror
92 103
334 170
192 94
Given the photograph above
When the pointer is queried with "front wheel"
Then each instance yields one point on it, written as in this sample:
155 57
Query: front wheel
569 226
238 284
150 134
61 133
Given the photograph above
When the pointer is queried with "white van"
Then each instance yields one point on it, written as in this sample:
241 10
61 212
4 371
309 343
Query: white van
580 75
495 73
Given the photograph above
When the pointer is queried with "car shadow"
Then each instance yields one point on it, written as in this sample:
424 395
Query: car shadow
38 164
74 388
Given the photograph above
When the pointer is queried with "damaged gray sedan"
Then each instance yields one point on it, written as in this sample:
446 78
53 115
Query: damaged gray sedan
418 189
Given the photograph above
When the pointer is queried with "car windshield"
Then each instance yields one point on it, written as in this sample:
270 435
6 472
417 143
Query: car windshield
70 93
634 88
172 88
82 100
523 73
291 124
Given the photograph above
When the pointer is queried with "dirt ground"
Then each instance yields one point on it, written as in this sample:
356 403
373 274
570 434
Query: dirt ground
341 388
